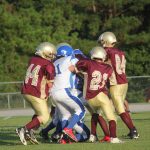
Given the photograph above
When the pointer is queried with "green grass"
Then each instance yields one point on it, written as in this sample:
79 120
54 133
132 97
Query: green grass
10 141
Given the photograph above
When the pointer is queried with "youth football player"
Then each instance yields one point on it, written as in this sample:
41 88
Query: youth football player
96 94
38 80
96 116
119 86
62 92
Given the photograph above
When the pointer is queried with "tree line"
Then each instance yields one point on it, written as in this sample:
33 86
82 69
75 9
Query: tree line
25 24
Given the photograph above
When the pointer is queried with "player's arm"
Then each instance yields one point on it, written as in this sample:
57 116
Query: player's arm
50 83
72 68
72 65
50 74
81 66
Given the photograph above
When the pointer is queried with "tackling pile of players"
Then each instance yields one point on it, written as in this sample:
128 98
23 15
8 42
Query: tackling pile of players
75 82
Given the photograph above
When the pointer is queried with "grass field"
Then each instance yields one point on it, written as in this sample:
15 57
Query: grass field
10 141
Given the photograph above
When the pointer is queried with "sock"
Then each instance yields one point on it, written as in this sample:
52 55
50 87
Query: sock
34 116
112 128
58 128
103 125
35 123
75 118
86 129
80 138
82 129
94 121
127 120
49 127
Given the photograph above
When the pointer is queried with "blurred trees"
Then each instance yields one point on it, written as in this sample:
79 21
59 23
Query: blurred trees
24 24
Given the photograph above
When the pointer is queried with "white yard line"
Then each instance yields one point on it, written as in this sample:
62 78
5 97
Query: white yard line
6 118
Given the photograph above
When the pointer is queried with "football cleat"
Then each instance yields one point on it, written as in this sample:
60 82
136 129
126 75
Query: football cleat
55 137
105 139
21 134
93 138
115 140
64 140
70 134
44 135
32 137
133 134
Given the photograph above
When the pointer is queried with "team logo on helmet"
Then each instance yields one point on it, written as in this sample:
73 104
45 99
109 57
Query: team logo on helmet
64 49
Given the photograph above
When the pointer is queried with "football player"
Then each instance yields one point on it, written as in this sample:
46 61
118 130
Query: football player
96 116
96 93
80 128
119 84
63 92
38 80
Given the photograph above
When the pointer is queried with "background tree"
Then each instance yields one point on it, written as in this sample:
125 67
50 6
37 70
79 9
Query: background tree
25 24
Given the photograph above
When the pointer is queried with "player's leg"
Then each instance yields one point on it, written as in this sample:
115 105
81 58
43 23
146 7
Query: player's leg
95 104
23 132
118 94
62 102
109 113
94 118
94 121
41 110
102 101
76 106
82 131
50 126
104 126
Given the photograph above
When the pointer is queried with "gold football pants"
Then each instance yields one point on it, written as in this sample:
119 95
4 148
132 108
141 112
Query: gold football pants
118 95
39 106
102 102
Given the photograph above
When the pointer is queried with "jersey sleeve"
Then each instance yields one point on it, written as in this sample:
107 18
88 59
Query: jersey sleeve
110 72
82 65
74 61
50 72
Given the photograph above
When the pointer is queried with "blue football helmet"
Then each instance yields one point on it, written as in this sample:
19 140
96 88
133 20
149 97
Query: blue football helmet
77 51
64 49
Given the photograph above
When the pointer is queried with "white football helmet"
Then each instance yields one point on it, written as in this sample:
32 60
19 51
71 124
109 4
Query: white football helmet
107 39
99 53
46 50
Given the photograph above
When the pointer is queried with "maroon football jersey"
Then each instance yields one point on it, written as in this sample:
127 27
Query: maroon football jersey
118 62
98 74
38 73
